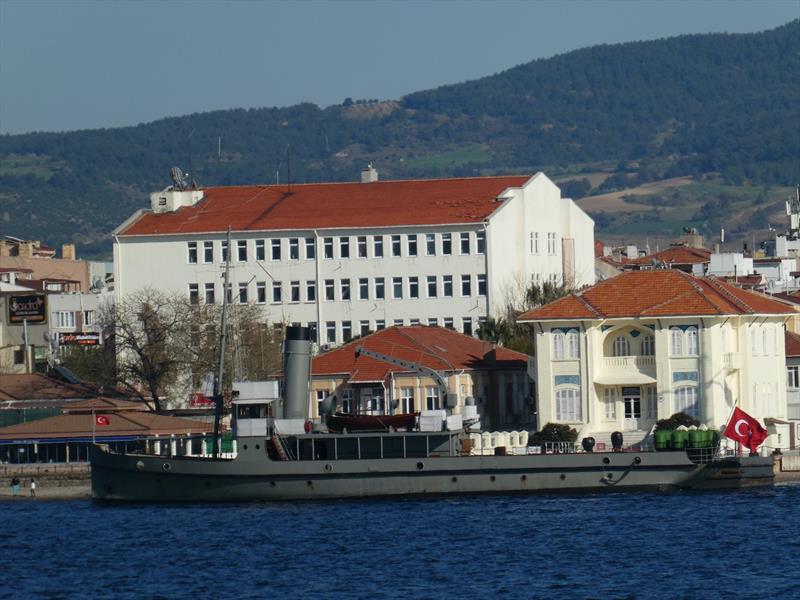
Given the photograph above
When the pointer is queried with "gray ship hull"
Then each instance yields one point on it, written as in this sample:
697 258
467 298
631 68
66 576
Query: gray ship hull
254 476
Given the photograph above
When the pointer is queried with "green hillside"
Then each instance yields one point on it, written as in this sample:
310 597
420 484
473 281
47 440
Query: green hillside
691 105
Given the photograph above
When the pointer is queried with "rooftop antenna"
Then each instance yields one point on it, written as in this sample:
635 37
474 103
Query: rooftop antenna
191 164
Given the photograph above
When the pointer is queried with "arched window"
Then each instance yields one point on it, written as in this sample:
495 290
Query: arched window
568 404
573 344
692 347
622 347
648 345
558 345
676 341
686 401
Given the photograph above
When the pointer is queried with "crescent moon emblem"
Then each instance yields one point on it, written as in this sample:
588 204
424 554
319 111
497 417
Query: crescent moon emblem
736 426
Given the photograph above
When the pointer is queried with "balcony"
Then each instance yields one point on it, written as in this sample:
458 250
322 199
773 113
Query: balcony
626 370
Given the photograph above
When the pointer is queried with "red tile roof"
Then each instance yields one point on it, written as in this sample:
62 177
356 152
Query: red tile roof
681 255
657 293
792 344
36 386
129 423
434 347
331 205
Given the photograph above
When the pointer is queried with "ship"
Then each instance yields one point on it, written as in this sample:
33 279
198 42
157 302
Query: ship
280 459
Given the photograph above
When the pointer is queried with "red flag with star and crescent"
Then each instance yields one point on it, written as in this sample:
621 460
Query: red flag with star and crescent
745 429
102 420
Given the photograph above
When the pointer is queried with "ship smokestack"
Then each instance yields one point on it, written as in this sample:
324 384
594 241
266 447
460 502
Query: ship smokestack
296 370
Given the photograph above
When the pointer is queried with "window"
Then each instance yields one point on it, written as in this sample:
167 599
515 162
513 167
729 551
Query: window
686 401
311 249
276 291
329 287
330 332
464 242
65 318
322 395
294 248
294 287
347 331
466 325
622 347
407 400
192 253
380 294
568 404
208 288
432 399
377 246
229 293
361 244
395 245
397 288
430 244
363 289
466 285
380 324
208 252
260 251
433 322
344 289
275 249
481 285
88 316
691 341
312 330
551 243
242 293
344 247
753 348
413 287
364 327
311 291
413 322
447 286
448 322
447 244
534 242
676 341
431 282
648 345
241 250
793 377
573 344
347 401
397 322
481 239
261 292
650 403
412 244
764 344
194 293
558 345
610 402
327 247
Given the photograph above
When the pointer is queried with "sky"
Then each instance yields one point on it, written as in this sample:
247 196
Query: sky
69 65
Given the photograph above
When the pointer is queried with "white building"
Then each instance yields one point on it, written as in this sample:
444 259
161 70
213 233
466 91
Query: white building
347 258
647 344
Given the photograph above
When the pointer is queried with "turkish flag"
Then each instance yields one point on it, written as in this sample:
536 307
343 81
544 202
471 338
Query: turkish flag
745 429
102 420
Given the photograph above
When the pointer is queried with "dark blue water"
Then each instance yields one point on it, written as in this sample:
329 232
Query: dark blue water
682 545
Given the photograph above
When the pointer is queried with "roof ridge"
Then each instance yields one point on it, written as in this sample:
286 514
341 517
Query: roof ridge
698 288
715 283
427 350
586 303
339 183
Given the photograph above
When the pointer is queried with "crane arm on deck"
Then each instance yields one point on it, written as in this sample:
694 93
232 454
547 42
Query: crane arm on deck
438 377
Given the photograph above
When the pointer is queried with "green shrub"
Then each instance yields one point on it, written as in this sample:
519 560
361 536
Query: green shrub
676 421
555 432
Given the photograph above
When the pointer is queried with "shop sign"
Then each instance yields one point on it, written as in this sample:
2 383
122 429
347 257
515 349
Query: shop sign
79 339
31 308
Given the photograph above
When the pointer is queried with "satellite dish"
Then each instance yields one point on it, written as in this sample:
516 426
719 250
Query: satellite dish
177 178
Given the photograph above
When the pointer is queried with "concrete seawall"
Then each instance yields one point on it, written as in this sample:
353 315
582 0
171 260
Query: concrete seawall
53 480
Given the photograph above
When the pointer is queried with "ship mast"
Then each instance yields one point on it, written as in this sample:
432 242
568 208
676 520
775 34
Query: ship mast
218 380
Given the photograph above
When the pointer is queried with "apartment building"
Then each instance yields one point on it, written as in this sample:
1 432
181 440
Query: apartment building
349 258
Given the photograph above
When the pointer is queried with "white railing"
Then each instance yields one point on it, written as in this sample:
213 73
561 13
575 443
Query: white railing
629 362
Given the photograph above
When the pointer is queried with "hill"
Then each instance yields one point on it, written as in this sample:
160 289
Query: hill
725 104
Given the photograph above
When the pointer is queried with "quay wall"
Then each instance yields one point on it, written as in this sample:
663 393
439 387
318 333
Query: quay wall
53 480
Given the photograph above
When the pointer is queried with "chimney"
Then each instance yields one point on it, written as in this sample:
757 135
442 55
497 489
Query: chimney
26 249
5 248
369 175
68 251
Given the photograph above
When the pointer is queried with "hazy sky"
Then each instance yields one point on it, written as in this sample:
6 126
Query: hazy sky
71 65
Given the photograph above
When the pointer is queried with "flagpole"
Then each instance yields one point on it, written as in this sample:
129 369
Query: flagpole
94 425
728 420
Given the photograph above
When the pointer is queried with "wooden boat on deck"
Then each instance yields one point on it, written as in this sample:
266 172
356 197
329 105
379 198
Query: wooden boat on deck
339 422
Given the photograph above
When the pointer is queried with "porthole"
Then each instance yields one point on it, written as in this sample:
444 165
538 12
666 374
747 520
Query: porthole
492 478
272 484
563 477
610 476
310 483
420 466
638 460
606 460
139 465
166 466
244 446
524 478
258 447
455 479
328 468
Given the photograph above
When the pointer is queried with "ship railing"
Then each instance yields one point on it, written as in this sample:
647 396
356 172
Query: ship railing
559 447
367 446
